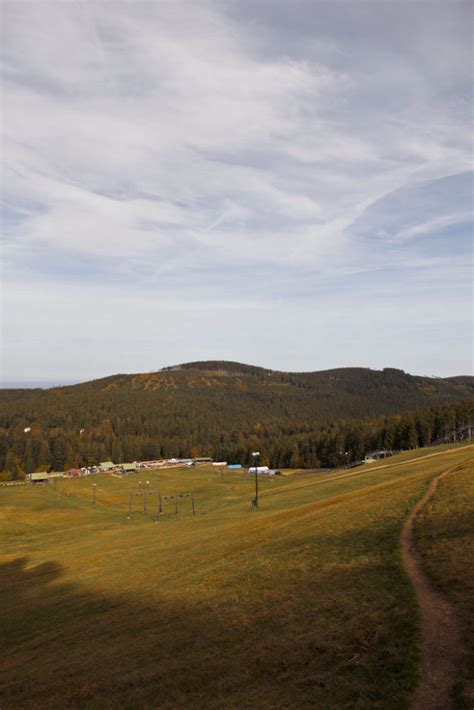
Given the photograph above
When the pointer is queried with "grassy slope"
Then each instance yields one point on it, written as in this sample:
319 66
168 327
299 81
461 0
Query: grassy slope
445 537
302 604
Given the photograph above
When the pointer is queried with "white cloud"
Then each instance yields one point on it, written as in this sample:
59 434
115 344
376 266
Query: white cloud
163 138
435 225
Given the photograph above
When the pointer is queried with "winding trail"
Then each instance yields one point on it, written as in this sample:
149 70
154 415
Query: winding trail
441 646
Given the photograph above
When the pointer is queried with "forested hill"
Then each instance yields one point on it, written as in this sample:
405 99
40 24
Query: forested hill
215 407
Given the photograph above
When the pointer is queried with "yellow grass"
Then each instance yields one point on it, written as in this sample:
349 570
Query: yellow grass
301 604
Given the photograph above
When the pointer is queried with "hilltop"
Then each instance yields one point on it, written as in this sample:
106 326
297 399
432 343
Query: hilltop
354 387
224 409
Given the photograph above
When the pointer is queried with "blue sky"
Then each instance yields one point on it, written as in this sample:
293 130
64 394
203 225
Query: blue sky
285 184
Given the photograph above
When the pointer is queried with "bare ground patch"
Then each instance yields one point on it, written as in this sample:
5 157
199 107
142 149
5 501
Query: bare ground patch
442 649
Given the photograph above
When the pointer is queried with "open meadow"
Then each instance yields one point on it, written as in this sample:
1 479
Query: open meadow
304 603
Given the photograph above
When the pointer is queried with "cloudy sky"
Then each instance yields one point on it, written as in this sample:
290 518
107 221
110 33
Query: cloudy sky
280 183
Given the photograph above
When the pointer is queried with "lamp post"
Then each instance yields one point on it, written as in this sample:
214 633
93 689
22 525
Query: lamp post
256 456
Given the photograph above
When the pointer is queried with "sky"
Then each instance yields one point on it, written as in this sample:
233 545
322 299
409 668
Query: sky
287 184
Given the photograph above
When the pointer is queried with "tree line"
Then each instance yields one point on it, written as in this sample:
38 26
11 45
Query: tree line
59 446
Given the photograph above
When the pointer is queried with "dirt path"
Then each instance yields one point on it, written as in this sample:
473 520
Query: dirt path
441 645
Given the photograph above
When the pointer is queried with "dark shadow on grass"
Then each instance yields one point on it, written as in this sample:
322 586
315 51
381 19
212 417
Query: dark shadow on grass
315 641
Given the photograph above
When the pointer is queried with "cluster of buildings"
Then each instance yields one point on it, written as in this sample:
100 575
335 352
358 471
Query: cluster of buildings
126 468
171 463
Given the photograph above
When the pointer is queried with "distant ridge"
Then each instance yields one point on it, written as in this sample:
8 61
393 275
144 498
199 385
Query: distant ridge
411 390
233 368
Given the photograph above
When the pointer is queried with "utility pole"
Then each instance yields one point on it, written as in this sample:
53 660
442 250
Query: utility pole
256 457
144 496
